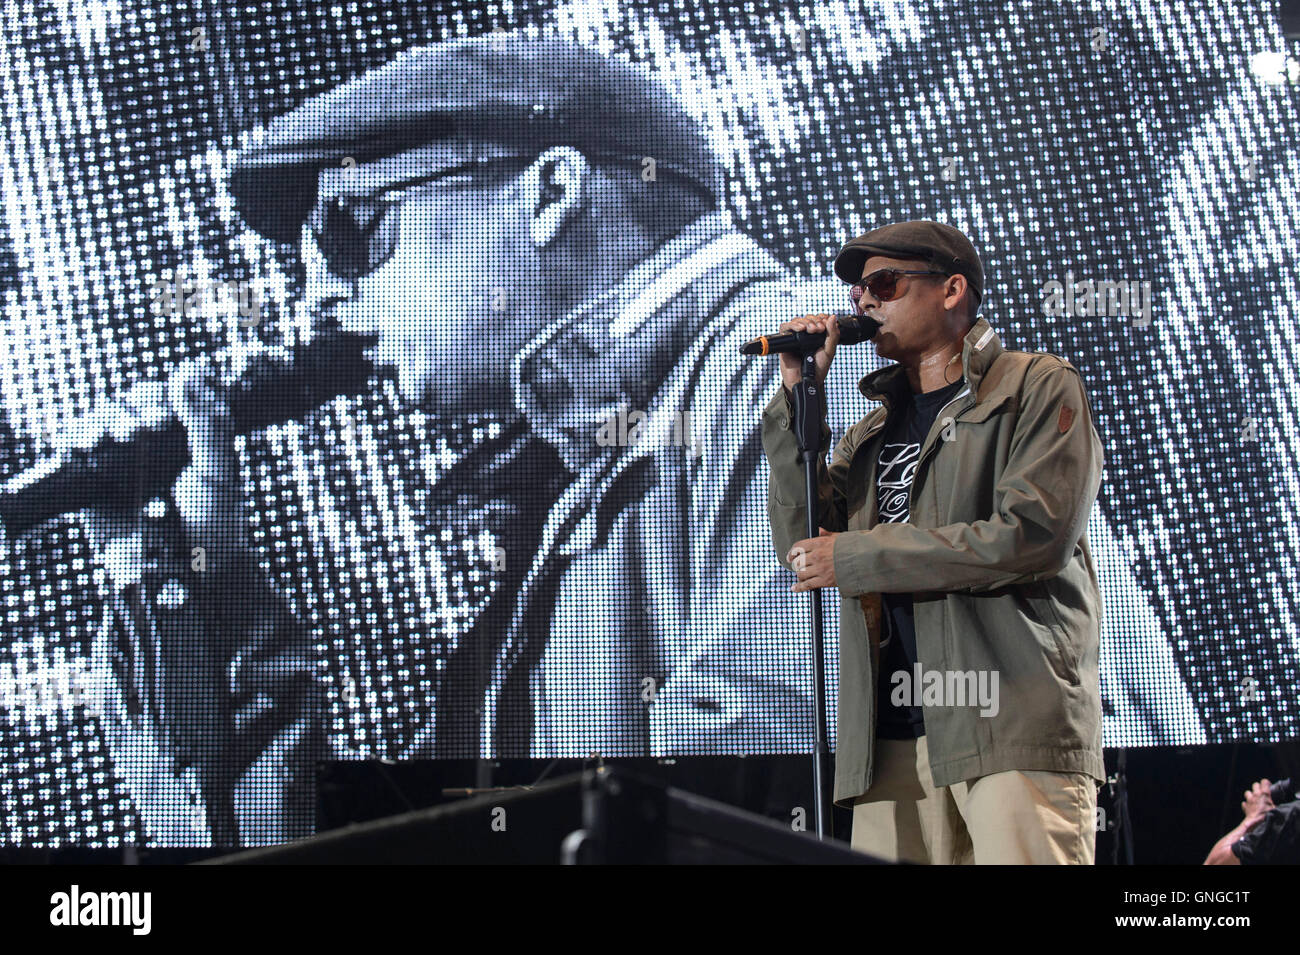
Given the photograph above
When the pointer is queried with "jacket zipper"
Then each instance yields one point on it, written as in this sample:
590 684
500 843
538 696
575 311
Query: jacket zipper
930 449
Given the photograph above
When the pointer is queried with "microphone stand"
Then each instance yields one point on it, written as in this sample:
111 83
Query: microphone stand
809 408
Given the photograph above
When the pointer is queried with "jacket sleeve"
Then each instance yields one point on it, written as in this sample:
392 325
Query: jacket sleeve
1274 840
1043 498
785 489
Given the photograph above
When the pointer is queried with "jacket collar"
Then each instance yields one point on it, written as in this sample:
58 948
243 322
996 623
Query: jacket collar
614 352
980 348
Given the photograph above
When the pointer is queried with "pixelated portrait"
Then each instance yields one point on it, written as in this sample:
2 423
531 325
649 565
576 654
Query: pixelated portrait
371 383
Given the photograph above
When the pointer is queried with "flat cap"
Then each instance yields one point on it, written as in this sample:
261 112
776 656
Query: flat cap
941 245
498 88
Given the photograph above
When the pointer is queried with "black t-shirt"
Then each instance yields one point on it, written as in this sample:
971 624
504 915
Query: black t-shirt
905 433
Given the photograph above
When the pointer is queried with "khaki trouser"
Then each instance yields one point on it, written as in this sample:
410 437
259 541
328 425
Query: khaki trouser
1009 818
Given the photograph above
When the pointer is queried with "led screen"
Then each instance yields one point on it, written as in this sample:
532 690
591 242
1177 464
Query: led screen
540 528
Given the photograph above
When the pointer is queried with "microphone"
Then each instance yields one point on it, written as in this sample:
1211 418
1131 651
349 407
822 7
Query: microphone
275 387
854 330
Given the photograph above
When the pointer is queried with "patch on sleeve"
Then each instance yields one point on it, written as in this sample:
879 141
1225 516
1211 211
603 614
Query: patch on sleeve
1065 419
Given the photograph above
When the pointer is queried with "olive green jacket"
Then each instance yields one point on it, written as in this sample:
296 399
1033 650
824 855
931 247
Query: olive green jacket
994 554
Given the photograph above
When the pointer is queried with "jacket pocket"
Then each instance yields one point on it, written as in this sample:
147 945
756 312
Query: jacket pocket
1065 646
1037 604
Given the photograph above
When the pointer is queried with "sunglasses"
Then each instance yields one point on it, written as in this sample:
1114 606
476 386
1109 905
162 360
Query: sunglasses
358 234
883 285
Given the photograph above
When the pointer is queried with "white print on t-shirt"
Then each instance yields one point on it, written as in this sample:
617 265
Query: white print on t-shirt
897 467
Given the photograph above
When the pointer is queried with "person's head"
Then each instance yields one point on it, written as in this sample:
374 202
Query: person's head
456 253
468 193
921 280
921 309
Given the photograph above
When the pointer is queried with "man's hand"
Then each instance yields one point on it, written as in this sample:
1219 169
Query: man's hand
206 492
1258 801
813 561
792 365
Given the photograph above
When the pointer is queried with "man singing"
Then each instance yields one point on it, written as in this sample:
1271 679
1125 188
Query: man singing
532 231
953 525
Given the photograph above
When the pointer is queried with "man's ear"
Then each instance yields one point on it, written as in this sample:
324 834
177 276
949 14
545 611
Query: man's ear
556 189
954 288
